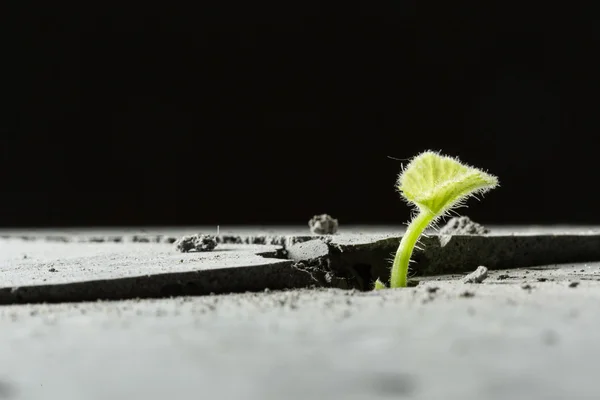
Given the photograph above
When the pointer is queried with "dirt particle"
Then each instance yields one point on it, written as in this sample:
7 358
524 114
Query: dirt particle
503 277
140 239
432 289
52 269
526 286
467 294
573 284
196 242
542 279
62 239
477 276
323 224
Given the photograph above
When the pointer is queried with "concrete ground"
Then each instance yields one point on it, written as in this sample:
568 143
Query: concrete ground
524 333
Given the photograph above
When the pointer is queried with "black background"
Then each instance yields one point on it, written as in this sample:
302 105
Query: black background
271 114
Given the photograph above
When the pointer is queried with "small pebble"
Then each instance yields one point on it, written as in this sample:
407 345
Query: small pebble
477 276
573 284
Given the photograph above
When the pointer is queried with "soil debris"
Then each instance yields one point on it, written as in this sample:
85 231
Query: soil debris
477 276
140 239
573 284
526 286
542 279
467 294
462 226
323 224
196 242
503 277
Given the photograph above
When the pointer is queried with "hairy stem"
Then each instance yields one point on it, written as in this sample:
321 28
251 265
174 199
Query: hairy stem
405 249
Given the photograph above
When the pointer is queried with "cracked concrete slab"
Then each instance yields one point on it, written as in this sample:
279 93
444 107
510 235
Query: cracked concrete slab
46 271
357 260
116 264
500 341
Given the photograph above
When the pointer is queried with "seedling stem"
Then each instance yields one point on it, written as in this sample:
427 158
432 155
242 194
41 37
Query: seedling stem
405 249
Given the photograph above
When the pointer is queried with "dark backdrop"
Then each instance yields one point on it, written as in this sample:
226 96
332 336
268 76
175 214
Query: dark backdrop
263 115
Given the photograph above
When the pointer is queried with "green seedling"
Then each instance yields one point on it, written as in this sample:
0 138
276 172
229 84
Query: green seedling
435 185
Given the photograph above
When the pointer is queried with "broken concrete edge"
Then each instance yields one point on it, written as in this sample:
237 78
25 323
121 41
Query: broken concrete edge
359 264
280 275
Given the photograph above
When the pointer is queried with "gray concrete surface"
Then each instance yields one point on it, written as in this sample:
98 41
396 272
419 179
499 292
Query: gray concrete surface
52 266
441 340
47 271
524 333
